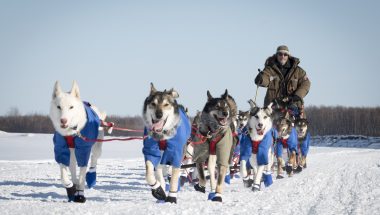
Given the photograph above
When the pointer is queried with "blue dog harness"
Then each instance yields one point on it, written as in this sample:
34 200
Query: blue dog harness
262 150
172 148
82 148
290 143
304 146
245 144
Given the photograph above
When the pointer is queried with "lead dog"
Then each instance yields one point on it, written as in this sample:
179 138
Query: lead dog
71 117
216 127
167 129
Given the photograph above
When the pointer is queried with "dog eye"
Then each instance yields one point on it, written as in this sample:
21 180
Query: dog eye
153 104
256 116
265 117
165 105
59 107
71 107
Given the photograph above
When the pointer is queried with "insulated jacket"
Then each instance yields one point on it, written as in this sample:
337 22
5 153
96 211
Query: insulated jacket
82 148
290 143
172 148
262 150
295 82
305 144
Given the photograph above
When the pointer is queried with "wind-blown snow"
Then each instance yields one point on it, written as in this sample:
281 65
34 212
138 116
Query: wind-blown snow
337 181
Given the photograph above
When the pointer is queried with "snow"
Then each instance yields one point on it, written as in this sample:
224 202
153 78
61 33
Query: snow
337 181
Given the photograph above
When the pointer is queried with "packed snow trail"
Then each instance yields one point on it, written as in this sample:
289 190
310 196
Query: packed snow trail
337 181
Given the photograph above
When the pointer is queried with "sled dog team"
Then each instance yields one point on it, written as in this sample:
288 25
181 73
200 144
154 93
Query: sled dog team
218 137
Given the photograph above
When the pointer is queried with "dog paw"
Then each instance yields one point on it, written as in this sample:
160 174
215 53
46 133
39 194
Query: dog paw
247 183
217 197
91 178
159 193
200 188
171 199
79 197
289 169
298 169
256 187
71 193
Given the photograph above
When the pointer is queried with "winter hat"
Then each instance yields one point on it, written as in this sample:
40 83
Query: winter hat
283 49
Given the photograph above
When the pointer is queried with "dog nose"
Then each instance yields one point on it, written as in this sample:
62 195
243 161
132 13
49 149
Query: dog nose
260 125
158 114
225 113
63 121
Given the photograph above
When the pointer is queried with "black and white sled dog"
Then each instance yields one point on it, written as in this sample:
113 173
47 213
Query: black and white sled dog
74 119
242 119
167 129
216 127
302 125
258 147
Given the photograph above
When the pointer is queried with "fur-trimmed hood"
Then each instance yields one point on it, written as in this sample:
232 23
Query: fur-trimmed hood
272 61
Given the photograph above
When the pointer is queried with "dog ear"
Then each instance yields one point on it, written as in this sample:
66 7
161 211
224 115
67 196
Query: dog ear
269 109
209 96
225 95
152 89
57 90
252 103
173 93
75 90
241 113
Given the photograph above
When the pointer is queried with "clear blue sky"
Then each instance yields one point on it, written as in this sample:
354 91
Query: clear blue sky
114 49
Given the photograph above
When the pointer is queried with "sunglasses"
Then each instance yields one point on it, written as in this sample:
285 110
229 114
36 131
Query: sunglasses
282 54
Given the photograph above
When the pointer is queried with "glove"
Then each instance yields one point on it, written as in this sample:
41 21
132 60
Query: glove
295 98
259 79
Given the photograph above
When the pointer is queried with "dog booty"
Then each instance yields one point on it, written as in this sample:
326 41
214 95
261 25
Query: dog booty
71 193
217 197
79 197
211 196
91 178
158 192
200 188
267 176
256 187
227 179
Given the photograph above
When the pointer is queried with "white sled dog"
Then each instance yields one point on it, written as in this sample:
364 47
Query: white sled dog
262 138
74 120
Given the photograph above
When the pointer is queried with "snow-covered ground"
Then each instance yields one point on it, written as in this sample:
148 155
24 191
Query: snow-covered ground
337 181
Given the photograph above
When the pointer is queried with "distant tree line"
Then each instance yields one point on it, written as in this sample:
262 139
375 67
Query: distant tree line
323 121
344 120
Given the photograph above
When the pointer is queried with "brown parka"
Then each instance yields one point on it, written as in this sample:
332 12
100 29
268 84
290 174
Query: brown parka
296 81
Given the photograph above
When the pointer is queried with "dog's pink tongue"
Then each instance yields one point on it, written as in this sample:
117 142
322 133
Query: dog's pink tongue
158 126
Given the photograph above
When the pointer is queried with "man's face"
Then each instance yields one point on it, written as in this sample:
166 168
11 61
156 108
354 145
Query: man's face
282 57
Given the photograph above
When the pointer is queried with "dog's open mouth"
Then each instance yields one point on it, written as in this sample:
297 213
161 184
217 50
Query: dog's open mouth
260 131
158 125
301 134
221 120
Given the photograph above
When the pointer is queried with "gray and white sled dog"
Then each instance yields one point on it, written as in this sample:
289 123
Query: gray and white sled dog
287 143
302 125
74 119
216 128
167 129
261 137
